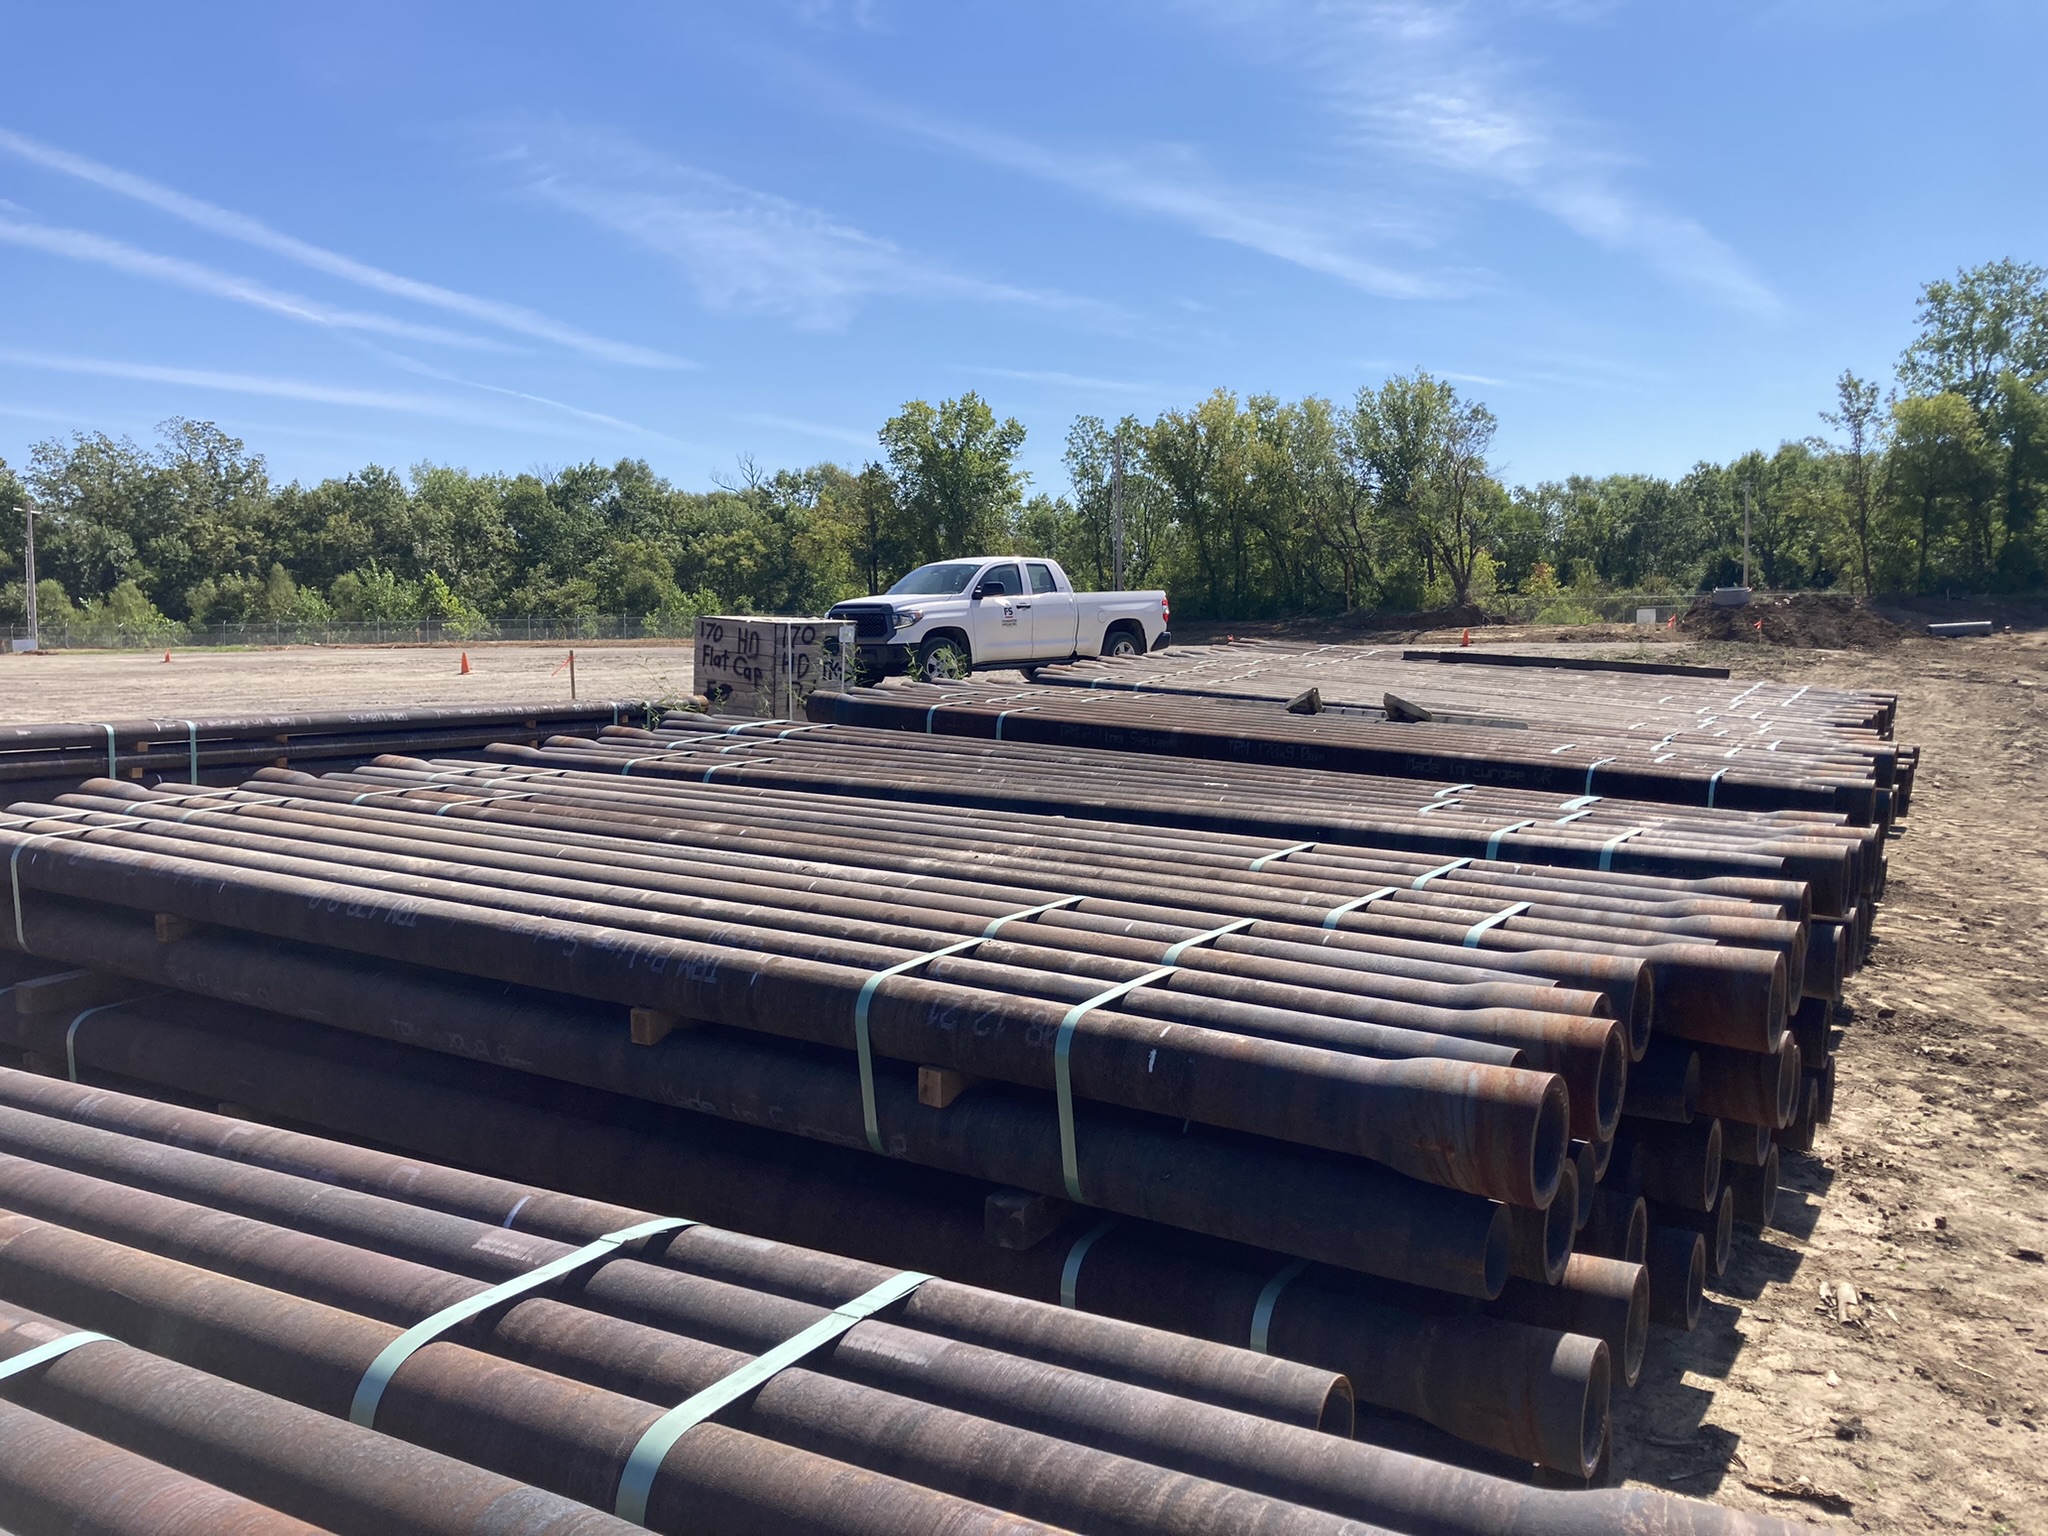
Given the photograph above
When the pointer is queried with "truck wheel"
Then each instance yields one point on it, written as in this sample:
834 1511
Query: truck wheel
941 660
1121 642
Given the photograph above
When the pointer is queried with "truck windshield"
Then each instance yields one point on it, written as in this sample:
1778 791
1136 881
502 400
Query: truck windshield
947 579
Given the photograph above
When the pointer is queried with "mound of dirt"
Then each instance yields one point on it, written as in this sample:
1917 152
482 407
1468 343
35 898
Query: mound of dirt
1830 621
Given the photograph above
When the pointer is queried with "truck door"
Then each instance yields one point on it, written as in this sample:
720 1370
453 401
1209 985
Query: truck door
1001 626
1053 615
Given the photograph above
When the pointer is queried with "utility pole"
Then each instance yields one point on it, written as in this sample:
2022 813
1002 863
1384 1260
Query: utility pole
1745 533
1116 508
28 572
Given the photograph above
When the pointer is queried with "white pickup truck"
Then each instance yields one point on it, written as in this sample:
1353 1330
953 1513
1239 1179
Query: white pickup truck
952 617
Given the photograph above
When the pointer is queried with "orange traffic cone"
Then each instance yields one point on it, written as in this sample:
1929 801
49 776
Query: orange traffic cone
1672 622
463 673
167 655
1466 638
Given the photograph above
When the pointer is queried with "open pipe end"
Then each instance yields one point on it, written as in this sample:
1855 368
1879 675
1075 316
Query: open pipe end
1642 1012
1550 1144
1611 1086
1678 1276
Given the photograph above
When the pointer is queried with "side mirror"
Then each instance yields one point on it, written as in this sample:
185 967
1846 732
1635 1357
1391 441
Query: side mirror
986 589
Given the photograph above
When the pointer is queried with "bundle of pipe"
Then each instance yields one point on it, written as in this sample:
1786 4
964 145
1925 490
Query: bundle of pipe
1640 766
1534 1394
1843 866
990 1133
1370 1124
546 1336
1361 677
38 759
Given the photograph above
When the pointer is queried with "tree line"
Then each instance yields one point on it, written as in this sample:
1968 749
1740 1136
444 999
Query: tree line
1243 507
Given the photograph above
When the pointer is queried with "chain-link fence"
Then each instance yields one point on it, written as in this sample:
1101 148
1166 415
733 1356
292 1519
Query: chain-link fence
62 635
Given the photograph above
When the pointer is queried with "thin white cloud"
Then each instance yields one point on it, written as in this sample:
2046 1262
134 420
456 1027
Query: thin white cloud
804 428
1071 381
1326 234
427 371
82 245
743 250
265 386
250 231
1420 83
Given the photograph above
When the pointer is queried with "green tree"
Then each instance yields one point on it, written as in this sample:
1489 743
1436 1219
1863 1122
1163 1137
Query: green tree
956 474
1865 432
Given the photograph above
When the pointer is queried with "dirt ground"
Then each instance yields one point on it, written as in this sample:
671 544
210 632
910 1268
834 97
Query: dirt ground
129 685
1880 1360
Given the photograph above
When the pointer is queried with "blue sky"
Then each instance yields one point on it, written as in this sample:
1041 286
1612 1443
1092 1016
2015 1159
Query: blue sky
506 236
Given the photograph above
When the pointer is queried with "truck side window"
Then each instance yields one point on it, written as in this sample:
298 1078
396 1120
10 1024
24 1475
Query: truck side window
1041 577
1006 579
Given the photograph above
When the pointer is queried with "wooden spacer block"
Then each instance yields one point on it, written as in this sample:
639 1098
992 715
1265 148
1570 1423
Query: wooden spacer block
67 990
939 1086
1021 1218
650 1026
170 927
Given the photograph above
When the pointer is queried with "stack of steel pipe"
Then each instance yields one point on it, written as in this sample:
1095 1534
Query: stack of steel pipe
680 1375
1552 691
48 759
1852 779
1460 993
1841 864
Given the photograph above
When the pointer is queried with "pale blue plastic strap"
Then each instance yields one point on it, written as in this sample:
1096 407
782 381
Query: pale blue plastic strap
1472 934
1579 803
1172 956
1330 917
1260 863
863 1052
1269 1298
1026 710
1573 816
746 725
1607 848
1590 767
1070 1272
71 1034
1062 1078
1442 869
29 1359
1012 917
370 1390
1455 789
14 870
112 767
1714 783
637 1481
192 735
1555 751
1439 805
1493 842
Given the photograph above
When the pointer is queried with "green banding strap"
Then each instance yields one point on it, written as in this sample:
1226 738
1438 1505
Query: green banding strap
1062 1076
71 1034
1172 956
112 770
780 735
1070 1272
1455 789
1591 767
192 731
1442 869
1607 848
14 867
864 1052
637 1481
370 1390
1439 805
1574 816
1026 710
1269 1298
29 1359
1330 918
1714 783
1554 751
1579 803
1472 934
1493 842
1012 917
748 725
510 794
1260 863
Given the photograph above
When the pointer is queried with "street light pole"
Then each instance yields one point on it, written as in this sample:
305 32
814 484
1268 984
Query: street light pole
1745 533
28 572
1116 508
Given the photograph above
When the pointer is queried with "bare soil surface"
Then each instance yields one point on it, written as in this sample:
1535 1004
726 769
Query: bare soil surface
1879 1360
130 685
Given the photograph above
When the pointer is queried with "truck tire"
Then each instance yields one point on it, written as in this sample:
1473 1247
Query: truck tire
941 659
1121 642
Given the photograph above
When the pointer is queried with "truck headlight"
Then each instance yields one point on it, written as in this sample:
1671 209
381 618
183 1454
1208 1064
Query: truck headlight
905 617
